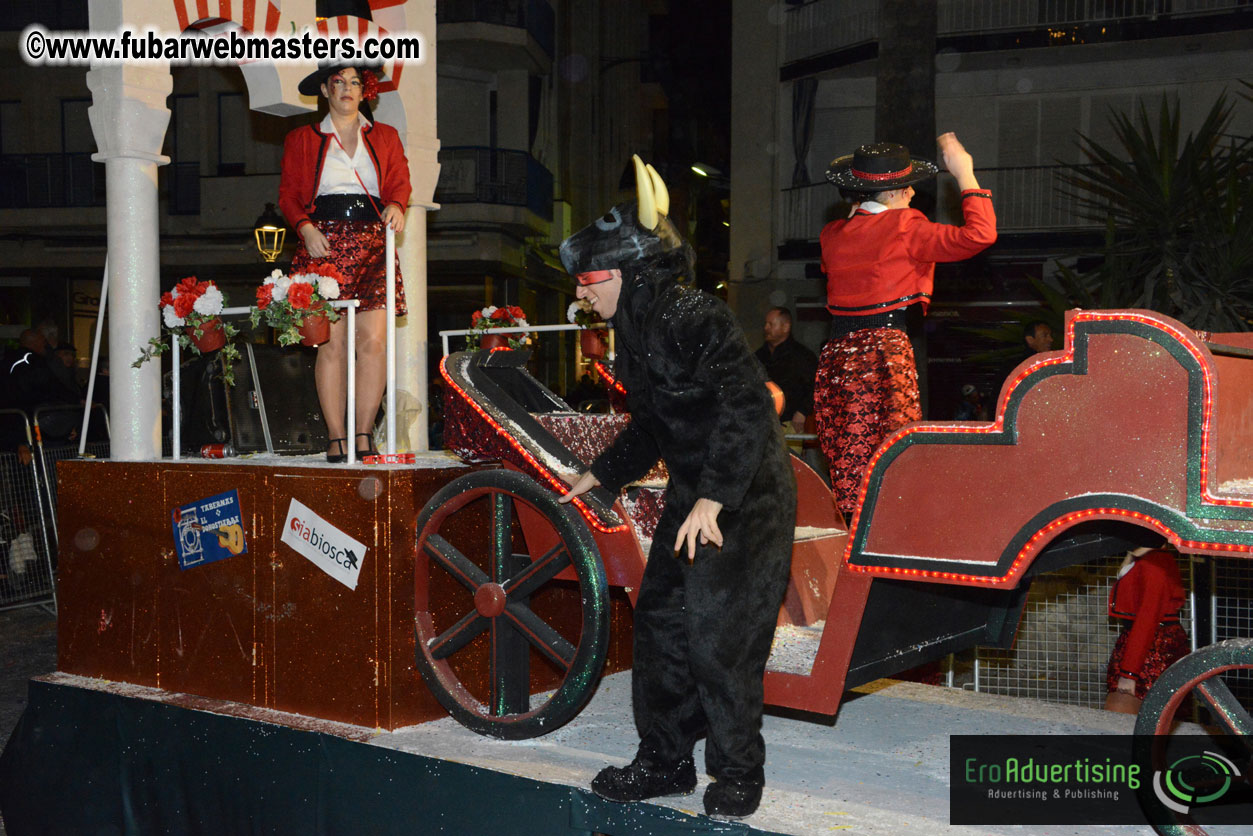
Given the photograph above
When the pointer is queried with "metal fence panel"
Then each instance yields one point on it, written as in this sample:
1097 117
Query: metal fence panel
26 556
1065 638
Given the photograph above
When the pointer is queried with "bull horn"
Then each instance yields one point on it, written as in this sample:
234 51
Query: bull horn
661 195
644 191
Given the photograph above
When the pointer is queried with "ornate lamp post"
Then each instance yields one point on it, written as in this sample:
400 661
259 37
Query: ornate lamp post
269 232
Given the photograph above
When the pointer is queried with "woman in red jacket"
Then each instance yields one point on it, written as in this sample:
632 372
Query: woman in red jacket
880 260
1147 595
343 179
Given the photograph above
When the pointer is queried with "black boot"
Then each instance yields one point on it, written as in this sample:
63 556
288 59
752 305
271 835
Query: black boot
640 780
732 799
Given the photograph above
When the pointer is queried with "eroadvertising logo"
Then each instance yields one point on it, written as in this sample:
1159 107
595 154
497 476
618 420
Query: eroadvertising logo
1194 780
1098 779
333 551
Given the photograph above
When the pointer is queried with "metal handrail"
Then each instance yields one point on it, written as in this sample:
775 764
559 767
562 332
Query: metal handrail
465 332
176 407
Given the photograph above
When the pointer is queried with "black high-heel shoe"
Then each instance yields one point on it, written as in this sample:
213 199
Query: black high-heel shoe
369 451
341 456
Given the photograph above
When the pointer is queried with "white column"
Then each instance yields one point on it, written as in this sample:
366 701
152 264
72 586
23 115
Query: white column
129 118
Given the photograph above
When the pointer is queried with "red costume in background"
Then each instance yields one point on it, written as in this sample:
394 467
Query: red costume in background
867 385
356 246
1148 594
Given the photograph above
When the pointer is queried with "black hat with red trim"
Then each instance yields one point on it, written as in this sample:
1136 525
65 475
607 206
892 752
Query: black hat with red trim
880 167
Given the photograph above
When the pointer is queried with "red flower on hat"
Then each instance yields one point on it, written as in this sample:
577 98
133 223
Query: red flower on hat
369 86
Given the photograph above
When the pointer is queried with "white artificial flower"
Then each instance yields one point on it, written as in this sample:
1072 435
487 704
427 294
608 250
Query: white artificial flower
209 303
520 323
275 275
328 288
488 311
280 288
172 320
574 308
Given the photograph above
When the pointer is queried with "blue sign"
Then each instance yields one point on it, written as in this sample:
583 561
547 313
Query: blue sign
208 530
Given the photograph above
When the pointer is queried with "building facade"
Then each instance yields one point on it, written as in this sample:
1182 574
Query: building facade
1017 80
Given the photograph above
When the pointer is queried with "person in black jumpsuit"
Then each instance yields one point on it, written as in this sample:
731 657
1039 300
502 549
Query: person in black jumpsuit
719 562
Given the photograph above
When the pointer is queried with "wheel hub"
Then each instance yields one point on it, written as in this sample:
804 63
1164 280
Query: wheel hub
490 599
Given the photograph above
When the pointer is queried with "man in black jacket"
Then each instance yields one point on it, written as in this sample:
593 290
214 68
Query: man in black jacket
719 561
789 364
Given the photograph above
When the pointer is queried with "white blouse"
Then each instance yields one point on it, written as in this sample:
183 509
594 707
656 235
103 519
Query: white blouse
338 170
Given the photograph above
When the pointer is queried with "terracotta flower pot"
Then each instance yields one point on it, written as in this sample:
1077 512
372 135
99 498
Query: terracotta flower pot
592 343
490 342
212 336
316 328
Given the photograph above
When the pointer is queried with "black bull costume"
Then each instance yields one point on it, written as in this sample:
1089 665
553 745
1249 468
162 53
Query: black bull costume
698 400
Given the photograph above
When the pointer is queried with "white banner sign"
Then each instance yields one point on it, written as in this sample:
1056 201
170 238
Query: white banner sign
334 552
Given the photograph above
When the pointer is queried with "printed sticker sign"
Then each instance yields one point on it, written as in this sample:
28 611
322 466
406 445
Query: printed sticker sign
333 551
208 530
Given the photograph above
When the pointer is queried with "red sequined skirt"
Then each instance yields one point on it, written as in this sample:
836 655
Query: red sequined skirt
1170 644
358 250
867 387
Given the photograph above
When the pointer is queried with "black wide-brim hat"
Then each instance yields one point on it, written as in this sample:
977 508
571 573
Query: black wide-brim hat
880 167
311 84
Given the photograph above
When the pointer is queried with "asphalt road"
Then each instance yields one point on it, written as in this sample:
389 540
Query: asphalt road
28 647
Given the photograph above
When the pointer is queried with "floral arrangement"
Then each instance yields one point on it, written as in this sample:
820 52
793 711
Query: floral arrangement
285 302
192 309
580 313
509 316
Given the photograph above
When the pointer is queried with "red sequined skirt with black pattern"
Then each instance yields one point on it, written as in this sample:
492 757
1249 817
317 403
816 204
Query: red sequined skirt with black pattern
358 250
1170 644
866 388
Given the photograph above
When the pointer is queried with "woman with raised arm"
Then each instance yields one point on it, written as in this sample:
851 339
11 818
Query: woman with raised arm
879 261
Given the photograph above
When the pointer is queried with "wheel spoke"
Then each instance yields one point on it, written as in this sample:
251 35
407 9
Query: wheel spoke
457 636
509 674
545 639
502 535
454 562
538 572
1226 707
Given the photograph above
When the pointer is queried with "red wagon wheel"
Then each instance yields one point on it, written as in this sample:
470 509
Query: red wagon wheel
481 622
1179 784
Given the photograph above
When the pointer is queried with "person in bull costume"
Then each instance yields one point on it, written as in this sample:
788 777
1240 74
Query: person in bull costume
719 561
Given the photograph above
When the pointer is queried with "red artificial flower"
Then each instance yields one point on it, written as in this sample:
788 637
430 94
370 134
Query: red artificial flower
188 287
475 317
183 304
325 269
300 295
201 287
167 299
265 295
369 86
500 314
516 313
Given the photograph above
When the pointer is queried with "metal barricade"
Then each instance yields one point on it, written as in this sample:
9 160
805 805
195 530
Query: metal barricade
26 565
53 449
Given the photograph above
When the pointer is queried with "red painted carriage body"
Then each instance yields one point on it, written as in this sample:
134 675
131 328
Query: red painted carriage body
1125 429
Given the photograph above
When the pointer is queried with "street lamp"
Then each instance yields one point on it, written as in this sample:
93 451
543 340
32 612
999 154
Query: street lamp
269 232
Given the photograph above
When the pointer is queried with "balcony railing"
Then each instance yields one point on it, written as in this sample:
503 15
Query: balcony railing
824 26
535 16
1027 199
38 181
474 174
